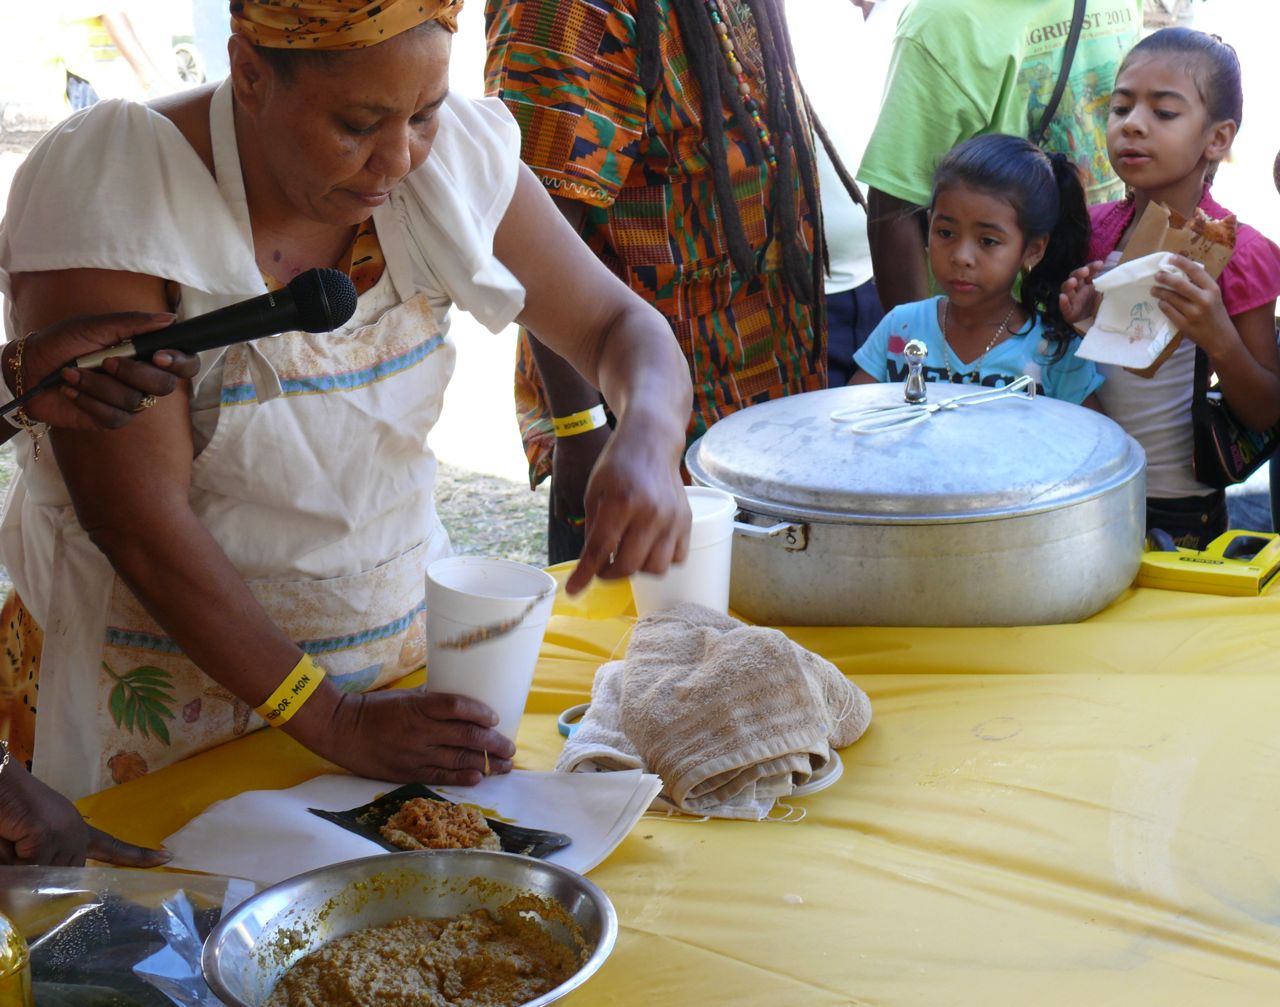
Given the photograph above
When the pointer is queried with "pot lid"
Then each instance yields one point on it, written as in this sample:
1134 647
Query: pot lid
1012 455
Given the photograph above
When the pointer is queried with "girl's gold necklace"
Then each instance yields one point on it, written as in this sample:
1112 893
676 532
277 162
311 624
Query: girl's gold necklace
946 342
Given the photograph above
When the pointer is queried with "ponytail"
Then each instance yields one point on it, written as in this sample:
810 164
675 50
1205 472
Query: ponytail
1066 250
1046 193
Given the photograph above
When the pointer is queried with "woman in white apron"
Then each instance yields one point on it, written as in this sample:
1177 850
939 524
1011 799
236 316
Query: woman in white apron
172 575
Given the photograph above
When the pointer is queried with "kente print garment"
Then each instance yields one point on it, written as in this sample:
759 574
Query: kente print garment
568 71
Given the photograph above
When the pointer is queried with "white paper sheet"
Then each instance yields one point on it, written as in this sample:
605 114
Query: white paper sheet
1130 329
269 835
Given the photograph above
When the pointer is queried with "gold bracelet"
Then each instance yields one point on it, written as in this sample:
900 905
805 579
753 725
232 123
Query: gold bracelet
581 422
298 686
20 414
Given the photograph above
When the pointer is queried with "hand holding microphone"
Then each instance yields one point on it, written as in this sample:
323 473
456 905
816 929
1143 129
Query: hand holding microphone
100 399
315 301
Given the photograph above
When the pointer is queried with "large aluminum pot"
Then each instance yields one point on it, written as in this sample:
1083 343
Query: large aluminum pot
261 939
1005 513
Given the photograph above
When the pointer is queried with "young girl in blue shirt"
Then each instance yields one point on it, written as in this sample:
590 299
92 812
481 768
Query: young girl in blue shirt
1001 209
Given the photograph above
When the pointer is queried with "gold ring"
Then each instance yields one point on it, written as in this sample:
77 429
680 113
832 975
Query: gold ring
147 402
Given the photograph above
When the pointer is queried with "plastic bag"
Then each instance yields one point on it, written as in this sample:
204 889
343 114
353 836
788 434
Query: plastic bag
111 937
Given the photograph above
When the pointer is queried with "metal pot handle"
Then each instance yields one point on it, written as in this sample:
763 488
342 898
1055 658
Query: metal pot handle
760 531
795 536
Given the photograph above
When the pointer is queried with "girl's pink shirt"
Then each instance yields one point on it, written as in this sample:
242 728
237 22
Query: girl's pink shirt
1252 276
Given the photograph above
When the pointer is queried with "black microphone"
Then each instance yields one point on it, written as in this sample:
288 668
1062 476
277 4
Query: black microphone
315 301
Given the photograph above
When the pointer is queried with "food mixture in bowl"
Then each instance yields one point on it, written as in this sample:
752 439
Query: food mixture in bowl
483 958
423 824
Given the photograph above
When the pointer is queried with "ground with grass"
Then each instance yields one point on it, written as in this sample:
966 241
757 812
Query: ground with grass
490 516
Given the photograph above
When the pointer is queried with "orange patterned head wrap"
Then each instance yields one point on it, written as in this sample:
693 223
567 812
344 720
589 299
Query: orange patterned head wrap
335 24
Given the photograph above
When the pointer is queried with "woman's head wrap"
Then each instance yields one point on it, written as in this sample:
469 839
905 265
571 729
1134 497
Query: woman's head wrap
335 24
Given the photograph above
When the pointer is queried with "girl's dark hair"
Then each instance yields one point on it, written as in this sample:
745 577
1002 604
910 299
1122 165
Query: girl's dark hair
1213 64
1047 197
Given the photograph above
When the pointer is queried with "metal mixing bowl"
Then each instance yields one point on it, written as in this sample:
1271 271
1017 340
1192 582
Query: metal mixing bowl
258 941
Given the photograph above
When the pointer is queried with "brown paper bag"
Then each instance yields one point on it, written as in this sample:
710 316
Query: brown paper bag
1161 229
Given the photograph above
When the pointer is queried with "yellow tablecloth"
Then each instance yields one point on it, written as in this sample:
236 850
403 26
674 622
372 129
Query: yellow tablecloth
1062 815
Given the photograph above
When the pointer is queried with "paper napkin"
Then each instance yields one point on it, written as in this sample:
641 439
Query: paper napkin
269 835
1130 329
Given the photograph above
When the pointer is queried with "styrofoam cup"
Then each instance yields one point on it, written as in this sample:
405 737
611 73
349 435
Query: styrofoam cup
704 575
465 593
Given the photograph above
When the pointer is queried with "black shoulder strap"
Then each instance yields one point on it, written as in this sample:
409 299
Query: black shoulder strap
1068 56
1200 384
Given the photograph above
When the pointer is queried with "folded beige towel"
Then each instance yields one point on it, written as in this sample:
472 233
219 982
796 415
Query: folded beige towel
731 716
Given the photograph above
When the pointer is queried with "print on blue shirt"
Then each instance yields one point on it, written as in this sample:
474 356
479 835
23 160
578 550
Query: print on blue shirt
1072 378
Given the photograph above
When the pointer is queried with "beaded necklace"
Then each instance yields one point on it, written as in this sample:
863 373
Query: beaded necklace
946 343
735 68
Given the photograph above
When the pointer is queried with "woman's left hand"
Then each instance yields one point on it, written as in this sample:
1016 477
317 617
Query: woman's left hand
97 399
1193 303
637 512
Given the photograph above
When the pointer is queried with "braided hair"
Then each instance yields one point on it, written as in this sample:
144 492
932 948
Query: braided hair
789 119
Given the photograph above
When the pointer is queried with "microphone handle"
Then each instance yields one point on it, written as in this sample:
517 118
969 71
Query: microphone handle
264 315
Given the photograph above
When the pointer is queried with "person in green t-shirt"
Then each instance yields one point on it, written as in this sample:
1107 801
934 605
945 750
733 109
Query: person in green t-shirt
962 68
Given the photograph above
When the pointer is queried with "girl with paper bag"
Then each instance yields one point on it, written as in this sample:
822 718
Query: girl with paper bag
1175 111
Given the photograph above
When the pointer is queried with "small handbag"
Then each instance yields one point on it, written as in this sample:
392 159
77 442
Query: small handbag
1225 451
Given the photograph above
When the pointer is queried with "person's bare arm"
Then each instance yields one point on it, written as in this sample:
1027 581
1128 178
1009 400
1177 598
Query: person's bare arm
1249 370
638 516
568 392
131 493
145 67
895 230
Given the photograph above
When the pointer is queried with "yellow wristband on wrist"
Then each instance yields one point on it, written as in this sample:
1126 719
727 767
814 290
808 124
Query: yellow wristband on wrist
298 686
580 423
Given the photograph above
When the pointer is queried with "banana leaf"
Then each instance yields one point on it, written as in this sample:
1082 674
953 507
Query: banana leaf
368 819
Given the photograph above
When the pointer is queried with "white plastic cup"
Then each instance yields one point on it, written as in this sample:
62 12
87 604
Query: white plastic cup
704 575
466 593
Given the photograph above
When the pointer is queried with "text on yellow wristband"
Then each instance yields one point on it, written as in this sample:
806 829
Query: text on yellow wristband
580 422
297 687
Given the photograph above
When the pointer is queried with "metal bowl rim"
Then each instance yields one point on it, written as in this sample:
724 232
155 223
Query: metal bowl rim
608 931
